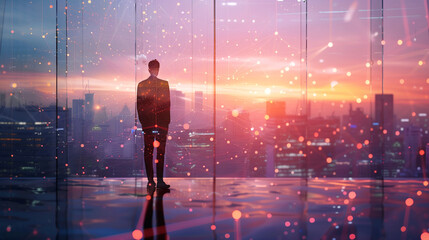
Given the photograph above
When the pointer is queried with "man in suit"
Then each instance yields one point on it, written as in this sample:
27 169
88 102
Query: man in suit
153 106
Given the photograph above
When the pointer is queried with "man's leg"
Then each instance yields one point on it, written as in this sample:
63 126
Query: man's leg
160 154
148 154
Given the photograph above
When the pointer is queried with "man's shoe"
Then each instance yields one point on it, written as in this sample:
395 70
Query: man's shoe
162 185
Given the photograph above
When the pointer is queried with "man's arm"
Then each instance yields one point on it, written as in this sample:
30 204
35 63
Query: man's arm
139 99
168 102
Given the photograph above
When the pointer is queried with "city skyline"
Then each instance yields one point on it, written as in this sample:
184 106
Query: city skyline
253 60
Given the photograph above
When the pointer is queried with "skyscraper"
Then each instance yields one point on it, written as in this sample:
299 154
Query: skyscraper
177 99
276 109
384 112
198 107
89 109
77 120
2 100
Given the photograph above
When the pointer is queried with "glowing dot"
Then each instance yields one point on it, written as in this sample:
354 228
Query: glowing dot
330 44
256 133
383 42
403 229
14 85
352 195
276 33
427 80
50 6
370 155
350 218
358 100
379 62
269 215
413 114
236 214
267 117
287 224
276 170
400 42
227 235
352 236
8 228
401 81
213 227
419 193
188 174
409 202
312 220
368 64
420 63
267 91
327 140
425 236
156 143
137 234
82 145
359 146
211 139
328 160
367 82
186 126
301 139
348 74
425 183
12 31
308 143
235 113
422 152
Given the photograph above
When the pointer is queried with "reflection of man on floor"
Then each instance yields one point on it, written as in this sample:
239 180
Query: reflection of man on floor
153 106
148 229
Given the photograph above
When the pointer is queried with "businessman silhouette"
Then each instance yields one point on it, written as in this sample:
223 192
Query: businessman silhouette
153 106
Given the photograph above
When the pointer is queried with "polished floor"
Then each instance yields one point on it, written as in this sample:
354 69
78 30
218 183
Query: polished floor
196 208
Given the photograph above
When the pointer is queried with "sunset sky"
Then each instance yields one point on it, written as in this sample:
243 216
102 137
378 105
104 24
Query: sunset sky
260 52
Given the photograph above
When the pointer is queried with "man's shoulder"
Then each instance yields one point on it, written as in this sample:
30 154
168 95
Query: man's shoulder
144 81
163 82
152 79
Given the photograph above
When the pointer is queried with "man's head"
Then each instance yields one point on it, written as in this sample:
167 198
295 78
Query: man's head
154 67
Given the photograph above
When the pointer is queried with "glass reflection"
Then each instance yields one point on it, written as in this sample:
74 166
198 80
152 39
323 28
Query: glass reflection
317 111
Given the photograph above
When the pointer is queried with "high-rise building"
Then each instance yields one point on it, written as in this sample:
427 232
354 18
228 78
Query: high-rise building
89 109
177 109
233 144
78 120
198 107
412 144
384 112
276 109
29 139
2 100
190 153
15 100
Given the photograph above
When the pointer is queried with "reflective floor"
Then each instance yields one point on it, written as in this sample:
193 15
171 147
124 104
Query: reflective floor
239 209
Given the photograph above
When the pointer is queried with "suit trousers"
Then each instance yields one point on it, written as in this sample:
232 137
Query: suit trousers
150 135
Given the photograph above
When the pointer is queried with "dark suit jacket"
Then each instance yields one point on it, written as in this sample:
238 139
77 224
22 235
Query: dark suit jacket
153 103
